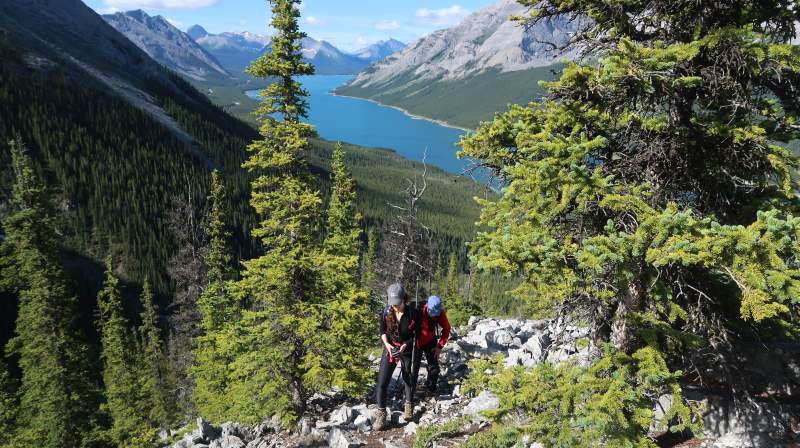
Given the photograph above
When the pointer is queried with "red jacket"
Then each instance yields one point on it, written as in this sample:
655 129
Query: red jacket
429 326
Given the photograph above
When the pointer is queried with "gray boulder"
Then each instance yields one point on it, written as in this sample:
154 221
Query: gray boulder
485 401
363 422
228 442
337 438
521 357
342 416
502 338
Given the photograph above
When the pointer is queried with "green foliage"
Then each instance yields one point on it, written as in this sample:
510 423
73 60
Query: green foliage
219 310
427 435
462 102
497 437
648 194
125 398
55 390
343 320
8 404
303 330
154 370
608 403
459 308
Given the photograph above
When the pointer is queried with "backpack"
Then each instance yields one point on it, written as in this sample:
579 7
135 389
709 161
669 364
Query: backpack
413 313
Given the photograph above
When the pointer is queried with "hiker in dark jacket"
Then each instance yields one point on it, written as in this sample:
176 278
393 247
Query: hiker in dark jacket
430 342
399 329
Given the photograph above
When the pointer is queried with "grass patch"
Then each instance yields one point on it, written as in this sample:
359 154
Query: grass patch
498 437
427 435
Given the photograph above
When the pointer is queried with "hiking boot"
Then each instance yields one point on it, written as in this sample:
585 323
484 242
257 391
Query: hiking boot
408 411
380 420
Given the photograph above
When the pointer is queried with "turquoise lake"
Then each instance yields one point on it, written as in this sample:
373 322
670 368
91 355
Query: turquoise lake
366 123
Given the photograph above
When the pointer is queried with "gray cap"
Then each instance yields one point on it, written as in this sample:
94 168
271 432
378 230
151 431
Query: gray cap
396 294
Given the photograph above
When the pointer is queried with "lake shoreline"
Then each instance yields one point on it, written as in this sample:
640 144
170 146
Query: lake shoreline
407 113
372 124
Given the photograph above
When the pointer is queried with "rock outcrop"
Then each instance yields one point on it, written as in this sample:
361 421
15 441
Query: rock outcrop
341 424
167 44
485 39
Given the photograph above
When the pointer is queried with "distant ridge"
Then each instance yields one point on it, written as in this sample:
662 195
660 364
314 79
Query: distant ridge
380 50
236 51
448 74
168 45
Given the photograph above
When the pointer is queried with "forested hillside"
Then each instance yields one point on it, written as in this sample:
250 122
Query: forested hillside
119 168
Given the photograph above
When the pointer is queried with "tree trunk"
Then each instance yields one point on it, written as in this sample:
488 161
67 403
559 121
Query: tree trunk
622 332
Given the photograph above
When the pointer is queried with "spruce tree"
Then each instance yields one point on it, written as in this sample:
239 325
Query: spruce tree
159 406
219 310
55 392
344 320
651 196
8 404
285 283
124 395
294 338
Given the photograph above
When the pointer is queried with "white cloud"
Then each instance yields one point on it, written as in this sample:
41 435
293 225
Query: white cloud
387 25
159 4
315 21
175 23
361 41
441 17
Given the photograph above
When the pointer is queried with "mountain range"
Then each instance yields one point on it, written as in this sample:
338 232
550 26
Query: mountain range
167 44
198 54
446 75
118 136
380 50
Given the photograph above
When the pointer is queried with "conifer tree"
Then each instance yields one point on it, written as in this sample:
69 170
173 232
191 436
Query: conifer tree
123 390
344 320
219 310
650 196
343 236
294 337
159 406
369 264
8 404
285 283
54 392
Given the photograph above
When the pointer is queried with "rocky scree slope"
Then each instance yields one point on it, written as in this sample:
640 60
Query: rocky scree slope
486 39
167 44
341 424
465 74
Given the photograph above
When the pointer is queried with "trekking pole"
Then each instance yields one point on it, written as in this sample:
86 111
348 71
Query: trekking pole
414 347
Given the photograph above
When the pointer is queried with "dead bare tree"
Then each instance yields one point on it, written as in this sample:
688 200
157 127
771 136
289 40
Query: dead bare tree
187 269
406 253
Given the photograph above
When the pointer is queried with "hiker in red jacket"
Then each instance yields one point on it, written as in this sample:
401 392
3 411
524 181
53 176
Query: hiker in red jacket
430 342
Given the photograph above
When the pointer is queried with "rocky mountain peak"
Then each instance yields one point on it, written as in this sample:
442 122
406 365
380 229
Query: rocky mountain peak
380 50
196 32
486 39
167 44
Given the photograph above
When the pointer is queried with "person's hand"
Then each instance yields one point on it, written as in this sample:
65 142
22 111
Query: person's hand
436 352
403 348
388 347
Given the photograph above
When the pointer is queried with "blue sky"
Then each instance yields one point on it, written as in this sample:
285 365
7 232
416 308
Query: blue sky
347 24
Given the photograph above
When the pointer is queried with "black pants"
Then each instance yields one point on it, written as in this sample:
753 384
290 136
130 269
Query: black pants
408 374
433 366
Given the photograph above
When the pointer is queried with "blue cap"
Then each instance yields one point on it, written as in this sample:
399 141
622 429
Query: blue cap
434 306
